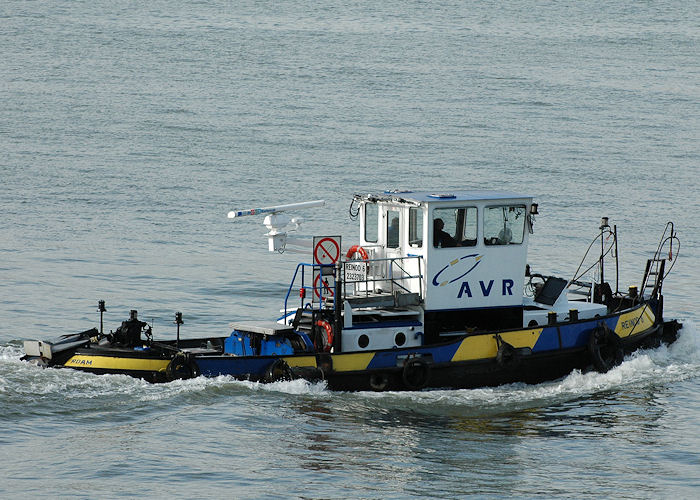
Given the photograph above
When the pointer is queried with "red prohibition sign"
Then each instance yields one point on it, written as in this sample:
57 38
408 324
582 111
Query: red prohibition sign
327 251
325 285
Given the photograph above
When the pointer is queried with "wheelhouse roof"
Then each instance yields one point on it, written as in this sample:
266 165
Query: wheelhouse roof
443 196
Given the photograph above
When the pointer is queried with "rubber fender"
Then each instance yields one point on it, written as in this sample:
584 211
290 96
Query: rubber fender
416 373
379 381
181 367
278 370
605 348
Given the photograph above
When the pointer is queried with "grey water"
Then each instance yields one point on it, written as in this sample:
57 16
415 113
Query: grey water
128 130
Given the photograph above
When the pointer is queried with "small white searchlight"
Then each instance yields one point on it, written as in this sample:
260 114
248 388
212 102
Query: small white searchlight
276 222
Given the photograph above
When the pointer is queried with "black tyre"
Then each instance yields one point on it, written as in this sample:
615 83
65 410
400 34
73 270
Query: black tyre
379 381
278 370
605 348
181 367
416 374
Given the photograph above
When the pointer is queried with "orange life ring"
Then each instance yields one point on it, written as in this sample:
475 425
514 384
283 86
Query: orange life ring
328 339
359 250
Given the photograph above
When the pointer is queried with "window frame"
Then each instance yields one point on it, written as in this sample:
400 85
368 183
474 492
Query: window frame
460 226
375 222
490 241
392 212
415 221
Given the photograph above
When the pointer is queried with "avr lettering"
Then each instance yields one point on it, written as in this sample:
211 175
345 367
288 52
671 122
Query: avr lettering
486 287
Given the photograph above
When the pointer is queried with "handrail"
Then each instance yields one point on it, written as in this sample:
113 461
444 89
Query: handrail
392 275
291 285
658 261
387 276
303 266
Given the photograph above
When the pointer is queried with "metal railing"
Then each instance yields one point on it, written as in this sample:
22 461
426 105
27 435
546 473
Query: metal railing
305 289
390 272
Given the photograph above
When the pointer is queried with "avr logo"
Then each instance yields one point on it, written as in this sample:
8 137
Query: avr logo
452 269
457 269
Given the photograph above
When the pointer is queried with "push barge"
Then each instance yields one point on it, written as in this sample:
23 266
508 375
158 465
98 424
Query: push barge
436 293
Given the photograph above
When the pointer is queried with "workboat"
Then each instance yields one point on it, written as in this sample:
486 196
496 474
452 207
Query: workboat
435 293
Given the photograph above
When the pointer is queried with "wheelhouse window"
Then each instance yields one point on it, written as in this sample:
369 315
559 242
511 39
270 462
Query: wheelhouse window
392 228
371 222
504 224
454 227
415 227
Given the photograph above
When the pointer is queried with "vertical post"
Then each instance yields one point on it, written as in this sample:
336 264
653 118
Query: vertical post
338 302
178 322
603 225
101 307
617 263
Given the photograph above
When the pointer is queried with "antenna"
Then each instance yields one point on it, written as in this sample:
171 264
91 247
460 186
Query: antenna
276 222
276 209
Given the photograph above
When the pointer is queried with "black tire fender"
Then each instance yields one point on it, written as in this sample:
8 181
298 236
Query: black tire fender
379 381
416 373
278 370
181 367
605 348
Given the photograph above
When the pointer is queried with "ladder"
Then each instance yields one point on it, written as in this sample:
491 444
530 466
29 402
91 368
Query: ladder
655 271
653 276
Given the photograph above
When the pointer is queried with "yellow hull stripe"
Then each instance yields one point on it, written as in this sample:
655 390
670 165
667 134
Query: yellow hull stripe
301 361
485 346
115 363
635 322
352 362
